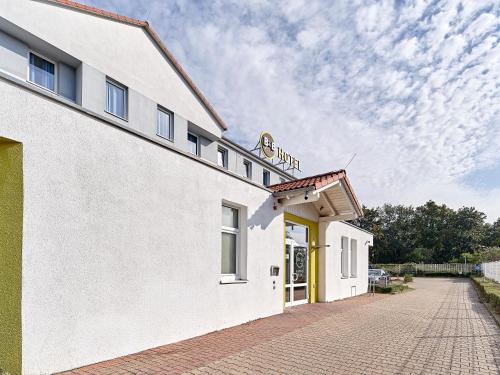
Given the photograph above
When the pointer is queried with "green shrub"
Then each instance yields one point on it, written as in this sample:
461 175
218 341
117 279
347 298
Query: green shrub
392 288
489 291
408 278
442 274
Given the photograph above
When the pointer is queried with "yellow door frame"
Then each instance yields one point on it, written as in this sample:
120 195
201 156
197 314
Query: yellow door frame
313 255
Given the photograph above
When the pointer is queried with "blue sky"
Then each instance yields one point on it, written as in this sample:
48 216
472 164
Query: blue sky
412 87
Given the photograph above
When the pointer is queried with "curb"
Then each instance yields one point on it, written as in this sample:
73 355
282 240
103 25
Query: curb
495 316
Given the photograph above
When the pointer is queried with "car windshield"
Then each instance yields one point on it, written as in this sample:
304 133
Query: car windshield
375 272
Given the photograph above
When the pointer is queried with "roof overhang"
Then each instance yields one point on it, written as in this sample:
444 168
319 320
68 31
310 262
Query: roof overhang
330 194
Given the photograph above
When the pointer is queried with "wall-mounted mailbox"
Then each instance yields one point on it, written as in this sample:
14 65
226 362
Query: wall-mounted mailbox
275 270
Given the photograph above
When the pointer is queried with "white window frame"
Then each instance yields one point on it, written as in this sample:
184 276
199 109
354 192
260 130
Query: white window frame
224 157
269 174
250 168
197 143
56 72
225 277
344 257
171 123
111 81
353 258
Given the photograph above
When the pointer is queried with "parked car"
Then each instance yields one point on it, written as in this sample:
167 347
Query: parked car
378 276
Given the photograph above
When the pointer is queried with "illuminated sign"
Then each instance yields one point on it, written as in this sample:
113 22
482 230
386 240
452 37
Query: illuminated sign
268 147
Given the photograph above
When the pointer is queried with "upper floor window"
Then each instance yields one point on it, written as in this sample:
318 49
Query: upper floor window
42 72
282 180
193 145
222 157
344 259
116 99
248 168
266 178
165 123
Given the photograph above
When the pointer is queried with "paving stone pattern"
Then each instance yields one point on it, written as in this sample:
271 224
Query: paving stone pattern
439 328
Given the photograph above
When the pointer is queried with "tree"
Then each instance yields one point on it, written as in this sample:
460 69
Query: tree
428 233
432 224
493 234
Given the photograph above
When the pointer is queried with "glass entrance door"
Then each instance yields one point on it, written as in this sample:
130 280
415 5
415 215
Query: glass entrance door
296 264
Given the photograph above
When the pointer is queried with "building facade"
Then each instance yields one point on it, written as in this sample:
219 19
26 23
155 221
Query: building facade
128 220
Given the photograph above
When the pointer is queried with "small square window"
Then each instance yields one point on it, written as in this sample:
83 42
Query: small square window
222 157
266 178
248 169
193 146
230 217
42 72
165 124
116 99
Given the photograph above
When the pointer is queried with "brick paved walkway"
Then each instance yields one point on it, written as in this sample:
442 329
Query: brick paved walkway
439 328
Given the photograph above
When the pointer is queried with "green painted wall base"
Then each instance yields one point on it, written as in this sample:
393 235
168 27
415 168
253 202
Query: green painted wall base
11 237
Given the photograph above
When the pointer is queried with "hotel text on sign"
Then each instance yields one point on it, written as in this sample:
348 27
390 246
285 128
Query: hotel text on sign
270 151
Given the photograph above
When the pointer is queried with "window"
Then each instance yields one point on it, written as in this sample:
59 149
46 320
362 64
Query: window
42 72
344 260
165 124
193 144
230 242
282 180
116 99
266 178
354 258
248 168
222 157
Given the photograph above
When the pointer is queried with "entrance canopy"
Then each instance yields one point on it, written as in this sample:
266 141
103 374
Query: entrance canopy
330 193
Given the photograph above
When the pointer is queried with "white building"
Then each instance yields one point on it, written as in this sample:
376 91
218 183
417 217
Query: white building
127 220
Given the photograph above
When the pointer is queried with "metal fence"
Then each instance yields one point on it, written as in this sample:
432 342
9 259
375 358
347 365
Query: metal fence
491 270
420 268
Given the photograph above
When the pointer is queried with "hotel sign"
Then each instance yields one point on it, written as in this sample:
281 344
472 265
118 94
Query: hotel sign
270 150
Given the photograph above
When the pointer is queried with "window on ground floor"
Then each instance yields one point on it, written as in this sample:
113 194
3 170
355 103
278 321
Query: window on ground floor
354 258
233 236
344 259
230 237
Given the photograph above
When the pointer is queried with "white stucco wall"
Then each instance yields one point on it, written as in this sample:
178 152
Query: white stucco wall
124 52
307 211
332 286
121 240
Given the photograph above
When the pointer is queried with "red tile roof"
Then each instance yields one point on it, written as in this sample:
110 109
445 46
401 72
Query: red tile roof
156 38
317 182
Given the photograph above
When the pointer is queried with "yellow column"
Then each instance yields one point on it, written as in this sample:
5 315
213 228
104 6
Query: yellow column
11 237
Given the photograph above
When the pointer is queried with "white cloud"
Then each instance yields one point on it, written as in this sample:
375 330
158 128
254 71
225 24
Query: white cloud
412 87
407 48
